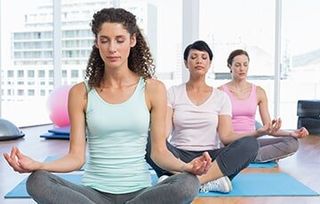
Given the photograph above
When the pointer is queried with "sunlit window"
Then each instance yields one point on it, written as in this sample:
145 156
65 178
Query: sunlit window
27 65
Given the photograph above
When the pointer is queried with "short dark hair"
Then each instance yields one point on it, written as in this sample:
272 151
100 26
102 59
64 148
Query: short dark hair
235 53
197 45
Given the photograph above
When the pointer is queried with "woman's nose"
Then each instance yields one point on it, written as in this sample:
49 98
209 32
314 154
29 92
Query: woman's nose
112 47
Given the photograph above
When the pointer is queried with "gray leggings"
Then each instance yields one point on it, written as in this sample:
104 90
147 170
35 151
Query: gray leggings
47 188
276 148
231 159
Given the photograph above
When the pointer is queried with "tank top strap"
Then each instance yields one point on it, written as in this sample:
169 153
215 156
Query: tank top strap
253 94
227 91
86 84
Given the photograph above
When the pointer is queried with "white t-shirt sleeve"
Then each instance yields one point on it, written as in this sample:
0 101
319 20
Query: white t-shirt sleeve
170 97
226 108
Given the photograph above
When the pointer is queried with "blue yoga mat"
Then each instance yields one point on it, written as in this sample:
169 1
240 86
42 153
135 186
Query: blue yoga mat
245 184
60 130
20 190
57 133
270 164
264 184
51 135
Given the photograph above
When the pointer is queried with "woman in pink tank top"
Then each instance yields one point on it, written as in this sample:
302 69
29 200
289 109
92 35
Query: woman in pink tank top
245 98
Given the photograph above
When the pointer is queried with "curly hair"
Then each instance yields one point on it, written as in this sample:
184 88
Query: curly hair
140 59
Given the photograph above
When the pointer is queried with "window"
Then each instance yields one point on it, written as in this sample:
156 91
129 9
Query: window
42 92
248 25
300 57
30 92
10 73
26 44
27 47
20 92
51 73
41 73
64 73
74 73
30 73
156 18
20 73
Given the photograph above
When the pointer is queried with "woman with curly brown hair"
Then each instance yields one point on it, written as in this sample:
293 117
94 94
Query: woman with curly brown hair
114 110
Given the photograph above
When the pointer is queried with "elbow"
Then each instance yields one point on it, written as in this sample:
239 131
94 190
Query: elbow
77 162
82 162
225 140
157 154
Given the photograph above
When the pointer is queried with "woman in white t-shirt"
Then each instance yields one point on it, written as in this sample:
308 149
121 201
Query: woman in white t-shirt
198 117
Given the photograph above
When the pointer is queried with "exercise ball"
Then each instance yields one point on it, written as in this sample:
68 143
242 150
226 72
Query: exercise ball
8 131
58 106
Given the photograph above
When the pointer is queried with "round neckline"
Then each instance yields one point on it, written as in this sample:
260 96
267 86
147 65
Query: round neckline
123 102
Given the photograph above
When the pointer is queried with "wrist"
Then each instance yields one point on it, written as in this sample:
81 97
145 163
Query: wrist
256 134
183 167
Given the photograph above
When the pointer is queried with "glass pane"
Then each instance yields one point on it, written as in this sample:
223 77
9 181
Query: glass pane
247 24
26 46
300 57
161 23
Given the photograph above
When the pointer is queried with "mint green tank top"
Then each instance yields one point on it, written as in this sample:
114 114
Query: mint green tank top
116 138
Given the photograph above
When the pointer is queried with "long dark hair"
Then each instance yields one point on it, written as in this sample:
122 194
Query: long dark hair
139 61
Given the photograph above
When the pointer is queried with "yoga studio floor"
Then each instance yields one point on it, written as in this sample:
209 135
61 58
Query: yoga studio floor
304 166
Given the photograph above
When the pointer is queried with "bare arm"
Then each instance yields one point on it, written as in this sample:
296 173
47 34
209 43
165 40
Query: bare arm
262 102
157 102
226 133
76 155
266 119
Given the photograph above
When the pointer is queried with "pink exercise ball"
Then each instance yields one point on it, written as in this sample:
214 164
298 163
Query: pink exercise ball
58 106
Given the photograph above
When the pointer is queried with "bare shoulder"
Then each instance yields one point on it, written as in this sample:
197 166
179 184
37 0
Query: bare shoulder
78 91
261 93
226 84
260 90
156 93
154 85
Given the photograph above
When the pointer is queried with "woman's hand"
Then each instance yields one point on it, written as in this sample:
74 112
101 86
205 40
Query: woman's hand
20 162
270 128
300 133
199 165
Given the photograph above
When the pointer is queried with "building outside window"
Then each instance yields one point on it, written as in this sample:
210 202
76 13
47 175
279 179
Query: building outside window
27 47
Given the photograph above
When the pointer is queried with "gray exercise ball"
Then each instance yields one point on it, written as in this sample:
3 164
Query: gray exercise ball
8 131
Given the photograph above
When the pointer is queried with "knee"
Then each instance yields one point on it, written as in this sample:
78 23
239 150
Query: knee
34 181
250 146
189 187
293 144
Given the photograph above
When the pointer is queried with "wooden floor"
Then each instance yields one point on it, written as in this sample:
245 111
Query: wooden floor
304 165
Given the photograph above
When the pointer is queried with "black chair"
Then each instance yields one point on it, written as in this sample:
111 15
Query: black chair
308 112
